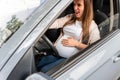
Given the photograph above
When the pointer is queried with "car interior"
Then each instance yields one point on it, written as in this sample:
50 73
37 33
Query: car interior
28 63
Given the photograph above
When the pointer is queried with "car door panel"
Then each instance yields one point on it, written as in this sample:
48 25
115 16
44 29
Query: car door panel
108 71
25 67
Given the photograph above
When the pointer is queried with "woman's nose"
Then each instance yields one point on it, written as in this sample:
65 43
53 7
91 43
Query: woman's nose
75 7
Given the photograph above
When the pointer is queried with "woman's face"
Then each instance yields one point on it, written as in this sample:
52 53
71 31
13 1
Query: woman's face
78 8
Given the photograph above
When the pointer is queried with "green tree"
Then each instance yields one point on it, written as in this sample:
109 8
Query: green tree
14 24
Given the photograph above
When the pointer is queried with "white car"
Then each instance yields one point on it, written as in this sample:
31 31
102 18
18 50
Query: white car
21 50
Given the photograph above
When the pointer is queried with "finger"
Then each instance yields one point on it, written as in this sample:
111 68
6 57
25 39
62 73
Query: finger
66 39
70 37
64 42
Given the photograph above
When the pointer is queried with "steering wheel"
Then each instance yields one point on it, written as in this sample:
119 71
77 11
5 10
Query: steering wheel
50 44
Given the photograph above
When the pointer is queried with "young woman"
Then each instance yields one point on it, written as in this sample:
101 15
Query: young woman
79 30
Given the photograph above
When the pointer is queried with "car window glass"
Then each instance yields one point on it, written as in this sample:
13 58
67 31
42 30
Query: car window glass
13 14
115 16
111 22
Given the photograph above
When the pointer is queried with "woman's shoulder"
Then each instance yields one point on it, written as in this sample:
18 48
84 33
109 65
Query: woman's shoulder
93 25
69 15
93 22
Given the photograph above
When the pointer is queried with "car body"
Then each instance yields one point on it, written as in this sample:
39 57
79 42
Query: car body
100 61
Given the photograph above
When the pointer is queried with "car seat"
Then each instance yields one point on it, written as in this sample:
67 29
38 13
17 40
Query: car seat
99 16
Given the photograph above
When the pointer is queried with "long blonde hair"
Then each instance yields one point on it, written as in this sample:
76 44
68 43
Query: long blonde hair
87 17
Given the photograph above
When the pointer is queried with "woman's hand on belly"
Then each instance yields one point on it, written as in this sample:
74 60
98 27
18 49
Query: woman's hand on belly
66 50
69 42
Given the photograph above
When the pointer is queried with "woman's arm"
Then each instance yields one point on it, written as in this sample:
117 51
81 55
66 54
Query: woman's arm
59 23
71 42
80 45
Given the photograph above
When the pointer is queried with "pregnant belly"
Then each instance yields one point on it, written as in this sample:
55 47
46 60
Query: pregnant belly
63 50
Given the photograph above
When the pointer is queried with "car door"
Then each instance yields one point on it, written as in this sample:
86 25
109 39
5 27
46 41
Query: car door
110 70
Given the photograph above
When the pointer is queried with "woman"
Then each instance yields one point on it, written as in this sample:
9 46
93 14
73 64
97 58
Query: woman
79 30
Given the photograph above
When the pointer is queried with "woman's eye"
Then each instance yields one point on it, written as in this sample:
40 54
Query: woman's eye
79 4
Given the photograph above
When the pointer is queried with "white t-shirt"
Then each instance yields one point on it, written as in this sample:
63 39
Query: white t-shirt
73 30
